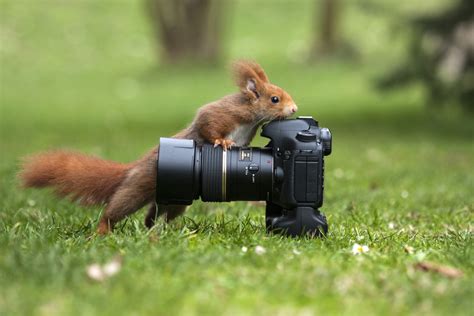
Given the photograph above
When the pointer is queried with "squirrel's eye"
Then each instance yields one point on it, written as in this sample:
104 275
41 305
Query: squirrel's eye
275 99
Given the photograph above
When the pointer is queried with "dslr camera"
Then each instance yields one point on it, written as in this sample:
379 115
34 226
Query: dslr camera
288 174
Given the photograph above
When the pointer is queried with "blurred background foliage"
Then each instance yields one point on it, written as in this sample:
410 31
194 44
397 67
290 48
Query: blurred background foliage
440 52
110 77
441 56
112 69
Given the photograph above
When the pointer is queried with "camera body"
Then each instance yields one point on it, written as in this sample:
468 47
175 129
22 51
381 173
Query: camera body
299 147
288 174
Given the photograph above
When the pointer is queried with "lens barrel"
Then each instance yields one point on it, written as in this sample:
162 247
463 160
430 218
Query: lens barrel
187 172
249 174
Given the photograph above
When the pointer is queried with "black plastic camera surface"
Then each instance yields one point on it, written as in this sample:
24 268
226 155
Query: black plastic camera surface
288 174
299 147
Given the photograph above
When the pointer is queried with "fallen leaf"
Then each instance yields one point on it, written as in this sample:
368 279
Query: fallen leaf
409 249
446 271
256 203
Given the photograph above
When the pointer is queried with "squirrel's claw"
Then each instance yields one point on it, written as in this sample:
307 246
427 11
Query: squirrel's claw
225 143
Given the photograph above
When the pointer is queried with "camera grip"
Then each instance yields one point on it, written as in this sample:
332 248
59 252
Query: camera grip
302 220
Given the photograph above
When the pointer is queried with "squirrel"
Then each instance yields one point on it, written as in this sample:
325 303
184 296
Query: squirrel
124 188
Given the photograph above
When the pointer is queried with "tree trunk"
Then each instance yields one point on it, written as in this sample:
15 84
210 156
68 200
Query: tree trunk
187 29
325 40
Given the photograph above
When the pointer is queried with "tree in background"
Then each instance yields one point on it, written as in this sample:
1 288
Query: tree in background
188 29
326 35
441 56
327 39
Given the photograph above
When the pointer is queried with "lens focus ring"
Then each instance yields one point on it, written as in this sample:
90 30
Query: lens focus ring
211 173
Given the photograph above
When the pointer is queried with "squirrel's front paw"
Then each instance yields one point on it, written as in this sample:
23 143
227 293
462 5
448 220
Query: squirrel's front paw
225 143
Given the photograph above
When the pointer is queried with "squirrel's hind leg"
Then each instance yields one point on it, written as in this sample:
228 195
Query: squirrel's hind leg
136 191
170 212
151 216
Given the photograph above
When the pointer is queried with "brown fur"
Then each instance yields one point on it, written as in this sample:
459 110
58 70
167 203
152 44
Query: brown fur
82 178
126 188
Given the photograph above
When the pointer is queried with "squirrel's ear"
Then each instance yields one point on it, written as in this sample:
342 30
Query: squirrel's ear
259 71
252 88
248 80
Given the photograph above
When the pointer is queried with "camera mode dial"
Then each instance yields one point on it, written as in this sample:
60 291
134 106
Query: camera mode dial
306 136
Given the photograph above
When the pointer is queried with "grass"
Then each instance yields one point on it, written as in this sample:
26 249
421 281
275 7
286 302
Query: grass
399 174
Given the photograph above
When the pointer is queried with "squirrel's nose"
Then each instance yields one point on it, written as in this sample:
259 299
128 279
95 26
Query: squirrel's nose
294 108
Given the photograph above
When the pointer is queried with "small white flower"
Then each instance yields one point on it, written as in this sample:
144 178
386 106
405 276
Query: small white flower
99 273
259 250
113 267
94 271
404 194
31 202
391 225
296 252
358 249
244 249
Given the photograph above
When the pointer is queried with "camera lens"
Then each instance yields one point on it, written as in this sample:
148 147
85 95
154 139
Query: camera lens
248 174
187 172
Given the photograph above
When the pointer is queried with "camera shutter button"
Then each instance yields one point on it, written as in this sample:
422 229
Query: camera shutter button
306 136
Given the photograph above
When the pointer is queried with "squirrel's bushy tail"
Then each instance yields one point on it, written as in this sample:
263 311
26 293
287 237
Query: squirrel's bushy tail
82 178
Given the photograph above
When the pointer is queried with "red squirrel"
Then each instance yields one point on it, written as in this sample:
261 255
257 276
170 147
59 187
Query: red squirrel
127 187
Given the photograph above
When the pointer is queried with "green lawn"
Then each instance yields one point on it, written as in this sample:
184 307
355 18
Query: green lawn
83 76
